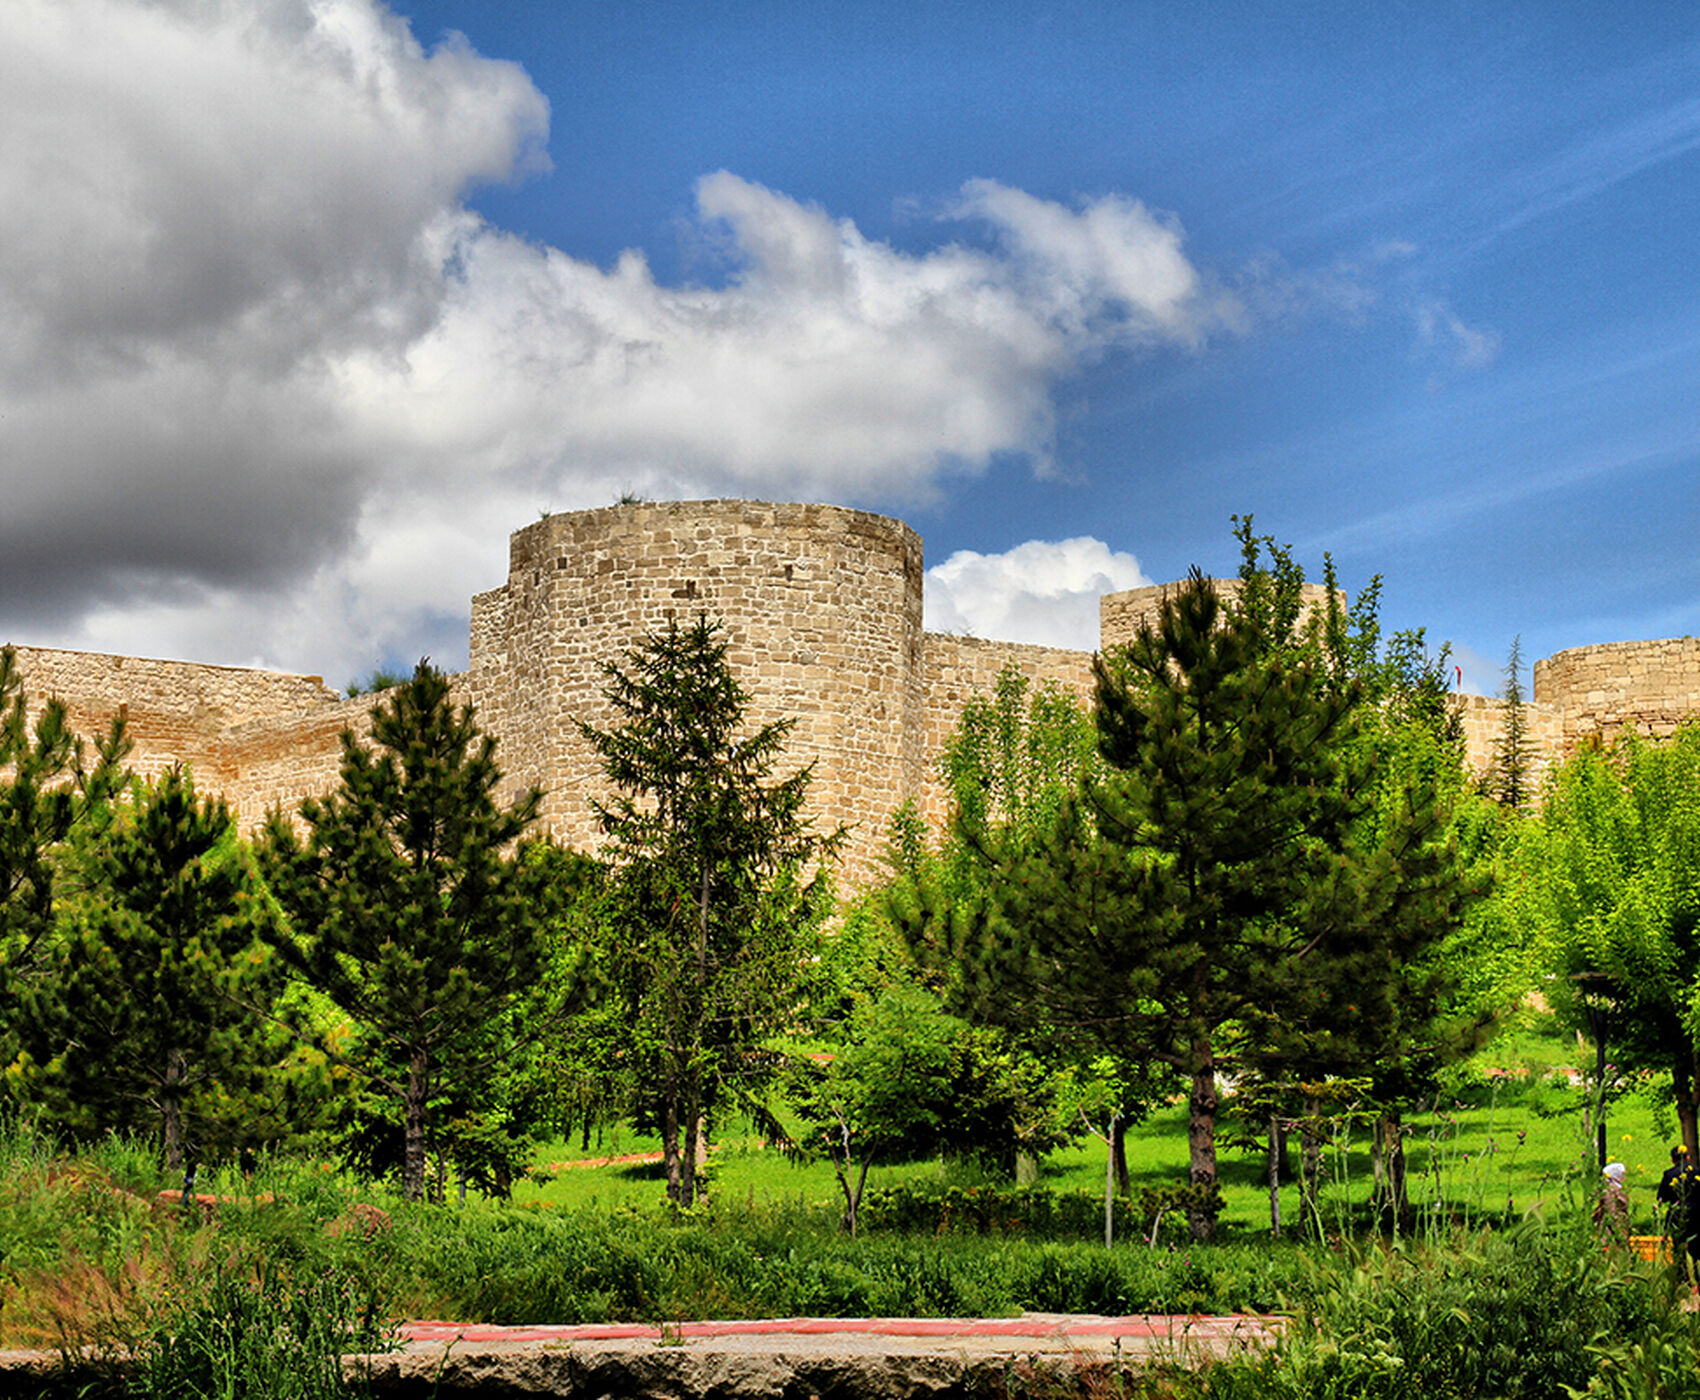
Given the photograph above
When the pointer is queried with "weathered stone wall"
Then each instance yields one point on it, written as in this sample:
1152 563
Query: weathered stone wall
1121 615
1646 687
272 764
955 669
174 711
1483 719
822 607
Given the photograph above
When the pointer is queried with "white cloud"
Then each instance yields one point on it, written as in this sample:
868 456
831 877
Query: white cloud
1442 333
1041 591
268 391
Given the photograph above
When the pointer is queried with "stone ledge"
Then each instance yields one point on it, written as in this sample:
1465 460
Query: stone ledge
787 1359
798 1358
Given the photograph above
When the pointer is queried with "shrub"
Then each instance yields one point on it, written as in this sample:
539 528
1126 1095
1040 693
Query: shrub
1517 1314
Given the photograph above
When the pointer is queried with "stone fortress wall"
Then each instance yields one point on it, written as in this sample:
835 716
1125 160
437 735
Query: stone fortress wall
822 608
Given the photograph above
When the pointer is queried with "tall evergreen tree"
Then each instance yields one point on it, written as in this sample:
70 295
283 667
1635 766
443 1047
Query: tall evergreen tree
150 1013
1015 761
410 906
47 790
717 885
1509 779
1233 789
1247 863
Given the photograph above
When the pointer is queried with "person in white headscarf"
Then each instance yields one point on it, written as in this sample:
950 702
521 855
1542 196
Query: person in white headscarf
1611 1211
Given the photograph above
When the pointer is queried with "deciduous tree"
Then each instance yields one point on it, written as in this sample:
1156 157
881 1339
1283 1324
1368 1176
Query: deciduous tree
1612 881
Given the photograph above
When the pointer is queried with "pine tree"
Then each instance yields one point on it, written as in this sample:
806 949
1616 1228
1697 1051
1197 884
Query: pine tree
1509 779
47 790
1258 878
1233 792
152 1007
409 905
716 882
1015 761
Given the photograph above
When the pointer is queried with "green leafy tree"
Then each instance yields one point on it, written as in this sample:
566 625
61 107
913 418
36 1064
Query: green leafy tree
717 885
885 1092
902 1081
1611 879
410 905
150 1018
1015 760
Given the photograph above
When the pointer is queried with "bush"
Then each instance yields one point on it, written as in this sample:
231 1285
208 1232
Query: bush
1518 1314
1037 1212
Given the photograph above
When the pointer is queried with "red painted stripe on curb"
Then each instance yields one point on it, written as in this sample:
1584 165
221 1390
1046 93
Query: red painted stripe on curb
1144 1325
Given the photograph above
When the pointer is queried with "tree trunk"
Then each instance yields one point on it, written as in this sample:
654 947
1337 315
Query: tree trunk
171 1110
690 1157
856 1197
670 1147
1118 1154
413 1142
1391 1201
1276 1147
1687 1111
1310 1161
1201 1135
1110 1182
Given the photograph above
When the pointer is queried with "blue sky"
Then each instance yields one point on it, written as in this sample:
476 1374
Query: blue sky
1063 286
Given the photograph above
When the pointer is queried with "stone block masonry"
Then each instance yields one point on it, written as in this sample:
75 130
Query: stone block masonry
822 609
174 711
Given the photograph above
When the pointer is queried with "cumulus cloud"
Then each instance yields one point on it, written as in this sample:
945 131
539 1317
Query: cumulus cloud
269 392
1042 591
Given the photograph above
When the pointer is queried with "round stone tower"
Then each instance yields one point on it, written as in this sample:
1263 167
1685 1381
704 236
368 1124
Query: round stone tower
1601 691
822 610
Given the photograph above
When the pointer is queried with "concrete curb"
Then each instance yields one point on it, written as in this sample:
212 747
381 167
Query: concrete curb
799 1358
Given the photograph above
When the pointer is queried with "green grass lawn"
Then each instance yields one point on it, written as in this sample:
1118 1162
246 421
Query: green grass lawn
1521 1149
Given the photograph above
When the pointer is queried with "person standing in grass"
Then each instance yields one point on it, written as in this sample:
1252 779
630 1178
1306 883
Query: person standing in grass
1677 1194
1611 1210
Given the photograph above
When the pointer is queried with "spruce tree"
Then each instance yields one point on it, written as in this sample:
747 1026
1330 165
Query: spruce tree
410 906
716 885
1509 779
